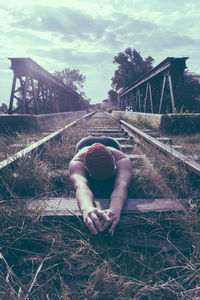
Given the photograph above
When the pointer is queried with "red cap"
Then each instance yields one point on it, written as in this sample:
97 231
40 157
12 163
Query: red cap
99 162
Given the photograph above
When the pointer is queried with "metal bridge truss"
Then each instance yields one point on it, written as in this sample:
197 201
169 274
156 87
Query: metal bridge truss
34 90
160 90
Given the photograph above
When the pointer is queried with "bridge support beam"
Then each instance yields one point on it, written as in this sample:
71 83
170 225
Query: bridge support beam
37 91
145 94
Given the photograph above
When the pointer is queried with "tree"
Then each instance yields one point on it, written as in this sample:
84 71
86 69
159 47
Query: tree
131 66
112 95
72 78
84 101
191 93
4 108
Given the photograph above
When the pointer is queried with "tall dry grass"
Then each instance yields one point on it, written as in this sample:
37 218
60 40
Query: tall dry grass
57 258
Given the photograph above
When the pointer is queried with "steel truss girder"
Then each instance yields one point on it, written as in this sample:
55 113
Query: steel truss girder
147 95
37 91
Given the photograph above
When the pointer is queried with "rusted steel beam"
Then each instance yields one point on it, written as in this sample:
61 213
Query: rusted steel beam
28 72
168 63
162 93
171 93
27 66
172 69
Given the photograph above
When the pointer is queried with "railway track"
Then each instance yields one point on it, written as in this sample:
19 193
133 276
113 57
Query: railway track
46 250
148 195
34 143
164 145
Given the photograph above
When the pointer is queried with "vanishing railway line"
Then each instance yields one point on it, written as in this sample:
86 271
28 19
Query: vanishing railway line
12 146
147 183
45 241
40 179
162 143
103 129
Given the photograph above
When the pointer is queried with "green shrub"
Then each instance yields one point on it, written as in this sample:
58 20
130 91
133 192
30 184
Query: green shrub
180 123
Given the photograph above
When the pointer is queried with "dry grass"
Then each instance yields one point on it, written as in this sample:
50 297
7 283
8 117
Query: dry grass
12 143
57 258
189 139
140 122
190 145
183 183
29 176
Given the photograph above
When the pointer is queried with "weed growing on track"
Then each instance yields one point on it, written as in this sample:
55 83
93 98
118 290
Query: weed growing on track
57 258
140 122
190 139
29 177
62 150
190 145
141 185
12 143
180 181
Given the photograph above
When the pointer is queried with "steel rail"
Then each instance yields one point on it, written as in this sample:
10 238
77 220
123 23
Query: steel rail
188 162
11 159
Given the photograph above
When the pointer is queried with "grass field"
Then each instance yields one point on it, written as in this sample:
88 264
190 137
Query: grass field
57 258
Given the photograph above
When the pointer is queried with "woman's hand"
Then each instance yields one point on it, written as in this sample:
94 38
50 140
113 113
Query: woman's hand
97 220
113 215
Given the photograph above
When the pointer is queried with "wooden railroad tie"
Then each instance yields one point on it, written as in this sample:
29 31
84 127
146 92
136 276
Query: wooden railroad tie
69 207
140 219
105 130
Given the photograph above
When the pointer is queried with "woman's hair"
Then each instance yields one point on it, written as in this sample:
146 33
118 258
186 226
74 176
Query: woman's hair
99 162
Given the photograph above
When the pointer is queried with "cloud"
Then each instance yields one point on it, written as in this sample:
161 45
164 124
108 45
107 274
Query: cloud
171 41
73 58
66 21
87 35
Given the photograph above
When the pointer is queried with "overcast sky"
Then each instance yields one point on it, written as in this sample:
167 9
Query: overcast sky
87 34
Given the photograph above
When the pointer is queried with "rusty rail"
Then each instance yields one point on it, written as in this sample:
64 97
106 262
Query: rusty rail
34 146
167 149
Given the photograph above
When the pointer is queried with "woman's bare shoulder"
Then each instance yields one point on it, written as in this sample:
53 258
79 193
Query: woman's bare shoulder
80 155
117 153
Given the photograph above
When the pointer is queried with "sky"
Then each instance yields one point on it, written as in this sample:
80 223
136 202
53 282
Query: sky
87 34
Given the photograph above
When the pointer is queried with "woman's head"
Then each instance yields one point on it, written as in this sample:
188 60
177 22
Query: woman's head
100 162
